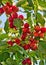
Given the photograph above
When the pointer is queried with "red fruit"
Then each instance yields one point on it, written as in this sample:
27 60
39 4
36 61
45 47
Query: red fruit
15 9
33 40
1 11
10 19
26 46
24 62
35 34
21 17
11 25
10 43
28 61
26 25
8 4
43 30
33 46
23 36
25 30
37 28
17 41
41 35
14 15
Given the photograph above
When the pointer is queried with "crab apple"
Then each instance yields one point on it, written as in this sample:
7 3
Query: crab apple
25 30
21 17
24 62
37 28
43 30
28 61
26 46
1 11
8 4
33 40
17 41
35 34
11 25
14 15
10 19
26 25
33 46
10 42
41 35
23 36
15 9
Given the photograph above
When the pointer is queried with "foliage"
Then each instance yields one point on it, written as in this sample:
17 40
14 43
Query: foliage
19 30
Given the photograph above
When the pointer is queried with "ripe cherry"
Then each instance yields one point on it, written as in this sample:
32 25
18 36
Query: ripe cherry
21 17
11 25
37 28
26 46
35 34
41 35
17 41
10 19
10 43
1 11
14 15
26 25
43 30
15 9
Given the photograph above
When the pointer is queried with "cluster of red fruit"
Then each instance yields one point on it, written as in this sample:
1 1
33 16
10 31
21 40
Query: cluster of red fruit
32 42
27 61
39 32
12 11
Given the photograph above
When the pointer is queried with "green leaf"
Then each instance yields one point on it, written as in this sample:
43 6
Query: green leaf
10 61
43 44
40 19
5 1
18 23
20 31
21 2
3 46
30 3
6 27
41 62
3 36
4 56
42 3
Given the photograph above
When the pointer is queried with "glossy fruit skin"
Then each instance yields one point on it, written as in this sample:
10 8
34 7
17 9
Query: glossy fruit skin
21 17
1 11
43 30
37 28
11 25
25 30
10 19
17 41
41 35
15 9
33 46
10 43
36 34
26 25
23 36
8 4
26 46
14 15
26 61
